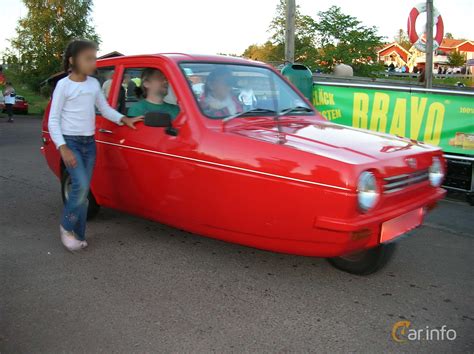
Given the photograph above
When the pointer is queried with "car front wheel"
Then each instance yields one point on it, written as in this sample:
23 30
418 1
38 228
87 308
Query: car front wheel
93 208
365 262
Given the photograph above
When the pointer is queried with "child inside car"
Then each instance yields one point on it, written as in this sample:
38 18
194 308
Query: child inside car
218 101
153 89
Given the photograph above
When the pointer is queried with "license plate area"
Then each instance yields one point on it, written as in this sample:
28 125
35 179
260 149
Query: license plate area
401 224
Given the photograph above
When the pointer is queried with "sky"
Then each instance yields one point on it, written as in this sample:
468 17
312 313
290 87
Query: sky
224 26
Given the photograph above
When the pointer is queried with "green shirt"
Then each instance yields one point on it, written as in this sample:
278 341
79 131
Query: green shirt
143 106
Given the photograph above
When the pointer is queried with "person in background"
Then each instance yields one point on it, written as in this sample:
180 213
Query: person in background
421 77
129 86
106 85
197 85
9 98
195 81
247 96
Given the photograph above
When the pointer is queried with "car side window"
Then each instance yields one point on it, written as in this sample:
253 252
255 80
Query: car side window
146 90
104 75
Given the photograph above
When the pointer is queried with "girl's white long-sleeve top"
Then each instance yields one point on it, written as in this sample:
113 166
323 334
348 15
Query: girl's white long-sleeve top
73 109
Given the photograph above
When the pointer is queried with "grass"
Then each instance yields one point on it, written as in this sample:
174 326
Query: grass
37 103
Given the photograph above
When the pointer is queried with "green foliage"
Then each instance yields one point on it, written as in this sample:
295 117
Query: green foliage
448 35
367 70
402 39
267 52
36 101
274 49
305 47
304 25
456 59
42 35
344 39
323 42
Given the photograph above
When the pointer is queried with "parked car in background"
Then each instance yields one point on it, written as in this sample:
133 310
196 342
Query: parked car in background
268 171
20 106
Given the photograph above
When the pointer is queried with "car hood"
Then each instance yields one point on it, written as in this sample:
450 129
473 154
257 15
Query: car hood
342 143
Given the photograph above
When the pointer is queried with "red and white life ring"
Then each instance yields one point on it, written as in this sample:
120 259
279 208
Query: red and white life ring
420 41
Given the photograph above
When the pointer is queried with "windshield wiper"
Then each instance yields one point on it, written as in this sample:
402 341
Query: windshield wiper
293 110
288 111
250 111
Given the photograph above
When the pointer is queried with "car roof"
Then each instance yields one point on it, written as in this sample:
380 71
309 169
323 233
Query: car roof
183 57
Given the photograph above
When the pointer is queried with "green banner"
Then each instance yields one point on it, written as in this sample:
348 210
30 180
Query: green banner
437 119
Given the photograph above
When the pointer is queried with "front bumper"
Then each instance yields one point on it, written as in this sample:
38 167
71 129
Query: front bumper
364 231
380 216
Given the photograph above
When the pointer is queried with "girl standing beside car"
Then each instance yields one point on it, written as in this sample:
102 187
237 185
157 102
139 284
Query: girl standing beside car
72 128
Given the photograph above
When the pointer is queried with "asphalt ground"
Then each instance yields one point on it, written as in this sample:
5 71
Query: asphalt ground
146 287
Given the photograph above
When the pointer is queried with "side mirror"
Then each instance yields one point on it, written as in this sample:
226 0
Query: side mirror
159 119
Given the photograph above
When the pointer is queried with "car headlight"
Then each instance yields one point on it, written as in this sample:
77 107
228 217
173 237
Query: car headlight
367 191
436 173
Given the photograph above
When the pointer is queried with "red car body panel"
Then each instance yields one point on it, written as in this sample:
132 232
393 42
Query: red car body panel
290 190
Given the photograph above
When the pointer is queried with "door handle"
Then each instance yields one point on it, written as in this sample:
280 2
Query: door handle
105 131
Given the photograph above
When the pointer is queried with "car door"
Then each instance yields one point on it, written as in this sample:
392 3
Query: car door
105 75
139 169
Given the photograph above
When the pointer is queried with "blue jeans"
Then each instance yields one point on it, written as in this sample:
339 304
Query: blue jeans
75 210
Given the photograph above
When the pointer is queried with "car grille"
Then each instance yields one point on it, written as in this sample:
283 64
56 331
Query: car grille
396 183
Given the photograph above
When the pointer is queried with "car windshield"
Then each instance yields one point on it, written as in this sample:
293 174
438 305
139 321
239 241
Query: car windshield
229 90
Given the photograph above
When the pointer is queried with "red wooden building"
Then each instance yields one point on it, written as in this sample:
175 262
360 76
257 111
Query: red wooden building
393 53
461 45
399 56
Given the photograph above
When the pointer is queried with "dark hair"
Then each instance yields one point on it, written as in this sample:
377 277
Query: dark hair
73 49
146 74
215 75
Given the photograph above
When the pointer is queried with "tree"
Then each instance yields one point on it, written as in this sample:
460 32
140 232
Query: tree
267 52
335 38
305 49
456 59
448 35
42 35
402 39
343 39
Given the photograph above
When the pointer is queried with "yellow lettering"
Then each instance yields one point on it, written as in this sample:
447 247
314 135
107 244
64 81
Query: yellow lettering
331 99
417 110
321 97
378 120
315 99
360 110
434 123
399 117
